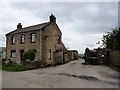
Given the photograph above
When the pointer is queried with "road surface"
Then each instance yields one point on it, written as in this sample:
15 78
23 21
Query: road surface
70 75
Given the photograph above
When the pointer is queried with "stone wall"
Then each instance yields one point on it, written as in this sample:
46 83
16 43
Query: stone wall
26 46
72 55
46 40
103 57
58 57
66 58
51 33
34 64
114 58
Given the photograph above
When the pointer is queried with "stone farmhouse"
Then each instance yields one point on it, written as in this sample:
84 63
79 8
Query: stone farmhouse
44 38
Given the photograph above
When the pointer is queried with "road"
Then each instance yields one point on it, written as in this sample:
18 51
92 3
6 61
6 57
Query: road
0 79
70 75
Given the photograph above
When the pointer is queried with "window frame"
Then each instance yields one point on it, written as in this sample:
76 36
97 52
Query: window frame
22 38
13 54
49 54
33 35
13 40
59 39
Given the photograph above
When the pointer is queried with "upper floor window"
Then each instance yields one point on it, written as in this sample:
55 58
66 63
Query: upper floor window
22 38
13 40
59 39
13 53
33 36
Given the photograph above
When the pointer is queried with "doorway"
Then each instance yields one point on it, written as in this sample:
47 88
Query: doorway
21 55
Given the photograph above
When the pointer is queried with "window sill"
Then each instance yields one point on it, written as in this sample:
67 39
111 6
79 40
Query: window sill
32 42
13 57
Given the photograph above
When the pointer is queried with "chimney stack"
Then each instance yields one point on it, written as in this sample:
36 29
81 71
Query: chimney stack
19 26
52 18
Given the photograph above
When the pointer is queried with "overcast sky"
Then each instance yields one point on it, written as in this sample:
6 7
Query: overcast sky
82 23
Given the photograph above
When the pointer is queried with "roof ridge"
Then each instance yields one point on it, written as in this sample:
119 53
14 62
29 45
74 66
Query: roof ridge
30 28
35 25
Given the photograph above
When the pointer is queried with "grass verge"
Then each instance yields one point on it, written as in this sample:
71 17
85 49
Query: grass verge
0 67
113 67
14 67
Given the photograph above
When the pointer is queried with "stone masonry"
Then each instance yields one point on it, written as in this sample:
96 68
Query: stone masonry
44 38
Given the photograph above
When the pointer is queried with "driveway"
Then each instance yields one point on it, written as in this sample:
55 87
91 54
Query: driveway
70 75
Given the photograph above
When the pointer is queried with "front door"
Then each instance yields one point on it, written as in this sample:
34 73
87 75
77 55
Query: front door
21 55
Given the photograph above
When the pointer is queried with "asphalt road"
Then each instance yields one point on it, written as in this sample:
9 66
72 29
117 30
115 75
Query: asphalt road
71 75
0 80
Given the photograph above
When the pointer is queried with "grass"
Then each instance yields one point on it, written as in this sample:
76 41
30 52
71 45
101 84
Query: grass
14 67
116 68
0 67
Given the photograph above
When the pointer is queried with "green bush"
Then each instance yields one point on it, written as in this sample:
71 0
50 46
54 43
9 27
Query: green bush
14 67
29 55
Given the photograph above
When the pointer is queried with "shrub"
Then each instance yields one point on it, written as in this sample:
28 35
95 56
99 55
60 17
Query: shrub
13 67
111 41
29 55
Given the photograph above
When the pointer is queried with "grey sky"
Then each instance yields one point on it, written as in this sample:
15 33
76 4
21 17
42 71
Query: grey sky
82 23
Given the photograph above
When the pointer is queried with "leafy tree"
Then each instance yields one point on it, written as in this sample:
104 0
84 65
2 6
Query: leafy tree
111 41
29 55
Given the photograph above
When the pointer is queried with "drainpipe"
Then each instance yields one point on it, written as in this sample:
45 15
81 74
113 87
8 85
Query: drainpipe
17 51
19 26
40 44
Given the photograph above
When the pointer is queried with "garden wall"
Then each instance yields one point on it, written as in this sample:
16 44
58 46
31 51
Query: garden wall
114 58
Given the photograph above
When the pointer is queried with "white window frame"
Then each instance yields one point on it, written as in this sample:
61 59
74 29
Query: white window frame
22 38
33 37
13 39
13 53
49 54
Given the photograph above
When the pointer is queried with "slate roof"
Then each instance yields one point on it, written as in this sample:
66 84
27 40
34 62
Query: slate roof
29 28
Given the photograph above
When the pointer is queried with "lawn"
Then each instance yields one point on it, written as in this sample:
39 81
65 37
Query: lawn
0 67
13 67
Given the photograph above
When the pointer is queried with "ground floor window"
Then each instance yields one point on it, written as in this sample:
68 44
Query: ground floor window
49 54
13 53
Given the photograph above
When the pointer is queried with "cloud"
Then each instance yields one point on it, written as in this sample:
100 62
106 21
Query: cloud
82 23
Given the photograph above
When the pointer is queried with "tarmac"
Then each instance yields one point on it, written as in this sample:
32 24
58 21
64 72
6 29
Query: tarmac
70 75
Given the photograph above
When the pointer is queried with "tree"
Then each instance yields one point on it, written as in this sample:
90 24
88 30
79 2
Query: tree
111 41
29 55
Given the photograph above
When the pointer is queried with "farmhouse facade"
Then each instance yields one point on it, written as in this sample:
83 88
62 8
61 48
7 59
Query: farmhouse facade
44 38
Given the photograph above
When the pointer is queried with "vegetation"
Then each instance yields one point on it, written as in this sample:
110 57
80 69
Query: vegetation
116 68
11 66
111 41
29 55
0 67
14 67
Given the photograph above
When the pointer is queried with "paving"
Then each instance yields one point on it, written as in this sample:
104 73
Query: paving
70 75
